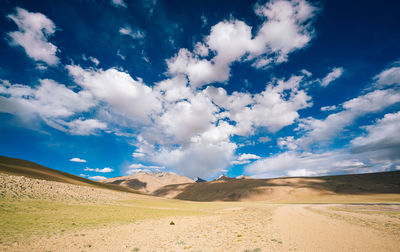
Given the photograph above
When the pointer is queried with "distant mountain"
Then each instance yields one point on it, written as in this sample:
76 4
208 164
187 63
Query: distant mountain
19 167
148 182
199 180
369 187
223 177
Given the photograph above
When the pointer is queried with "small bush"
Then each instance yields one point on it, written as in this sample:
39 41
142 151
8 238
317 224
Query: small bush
253 250
171 223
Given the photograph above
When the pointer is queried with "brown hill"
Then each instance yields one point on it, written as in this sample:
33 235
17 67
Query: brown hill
342 188
19 167
148 182
223 177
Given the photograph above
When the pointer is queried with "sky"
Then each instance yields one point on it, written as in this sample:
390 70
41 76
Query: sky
201 88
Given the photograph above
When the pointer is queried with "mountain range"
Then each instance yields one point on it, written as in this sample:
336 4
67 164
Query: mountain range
340 188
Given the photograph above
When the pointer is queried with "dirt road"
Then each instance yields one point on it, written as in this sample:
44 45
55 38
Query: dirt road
315 228
255 228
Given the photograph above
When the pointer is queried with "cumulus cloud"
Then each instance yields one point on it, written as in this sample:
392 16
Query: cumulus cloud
293 163
84 127
231 40
104 170
54 103
318 131
119 90
175 123
381 141
388 77
79 160
34 29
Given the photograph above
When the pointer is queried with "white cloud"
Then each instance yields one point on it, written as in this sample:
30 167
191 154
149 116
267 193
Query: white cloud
204 20
118 3
264 139
329 108
134 168
271 109
388 77
84 127
141 166
248 156
135 34
293 18
201 49
287 143
231 40
34 29
83 175
185 119
128 97
175 89
54 103
333 75
318 131
292 163
104 170
138 154
97 177
75 159
306 72
189 160
132 171
381 141
119 54
92 59
239 162
245 159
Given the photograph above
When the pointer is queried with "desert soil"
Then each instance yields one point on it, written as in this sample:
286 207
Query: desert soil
219 226
260 228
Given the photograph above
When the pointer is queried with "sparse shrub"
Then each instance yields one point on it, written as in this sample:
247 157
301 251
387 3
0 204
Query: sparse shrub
171 223
253 250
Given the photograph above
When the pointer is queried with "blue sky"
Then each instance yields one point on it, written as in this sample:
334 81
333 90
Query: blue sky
199 88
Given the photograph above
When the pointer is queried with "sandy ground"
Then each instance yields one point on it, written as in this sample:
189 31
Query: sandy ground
256 228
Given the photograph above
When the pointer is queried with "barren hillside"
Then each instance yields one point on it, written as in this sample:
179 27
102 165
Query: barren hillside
343 188
19 167
148 182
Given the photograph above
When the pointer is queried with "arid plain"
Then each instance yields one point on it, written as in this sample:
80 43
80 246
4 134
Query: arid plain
46 215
